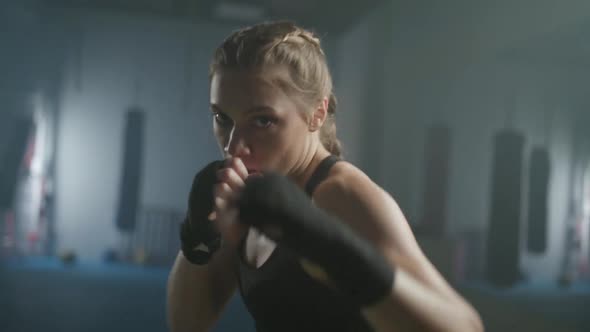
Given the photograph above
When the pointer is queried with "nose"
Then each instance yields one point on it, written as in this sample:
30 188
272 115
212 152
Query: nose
236 145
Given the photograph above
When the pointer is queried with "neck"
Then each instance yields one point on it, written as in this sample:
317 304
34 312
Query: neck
308 165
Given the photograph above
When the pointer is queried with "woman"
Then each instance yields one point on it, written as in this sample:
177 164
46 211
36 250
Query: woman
346 262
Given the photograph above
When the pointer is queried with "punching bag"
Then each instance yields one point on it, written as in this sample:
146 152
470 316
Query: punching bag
502 264
539 173
130 185
436 178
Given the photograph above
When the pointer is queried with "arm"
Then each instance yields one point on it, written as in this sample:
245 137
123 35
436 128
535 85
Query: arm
357 237
413 306
420 298
197 294
202 281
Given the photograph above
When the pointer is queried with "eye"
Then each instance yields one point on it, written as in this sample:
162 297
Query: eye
222 119
264 121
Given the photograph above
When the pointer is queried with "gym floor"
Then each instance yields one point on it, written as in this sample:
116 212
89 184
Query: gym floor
45 295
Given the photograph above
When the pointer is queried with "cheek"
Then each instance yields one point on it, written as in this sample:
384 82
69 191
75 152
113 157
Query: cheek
277 143
221 135
264 142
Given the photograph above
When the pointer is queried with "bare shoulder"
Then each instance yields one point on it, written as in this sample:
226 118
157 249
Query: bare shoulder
346 179
346 183
350 194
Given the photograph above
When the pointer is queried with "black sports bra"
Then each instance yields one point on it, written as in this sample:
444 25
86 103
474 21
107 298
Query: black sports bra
282 297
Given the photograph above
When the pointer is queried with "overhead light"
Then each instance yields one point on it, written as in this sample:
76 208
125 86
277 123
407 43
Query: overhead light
238 11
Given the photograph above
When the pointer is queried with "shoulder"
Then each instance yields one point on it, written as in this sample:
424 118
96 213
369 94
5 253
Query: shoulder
348 193
346 182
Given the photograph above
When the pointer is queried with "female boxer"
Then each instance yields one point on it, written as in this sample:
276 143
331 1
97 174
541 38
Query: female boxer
309 240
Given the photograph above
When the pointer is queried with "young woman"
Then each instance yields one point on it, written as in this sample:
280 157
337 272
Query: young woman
309 240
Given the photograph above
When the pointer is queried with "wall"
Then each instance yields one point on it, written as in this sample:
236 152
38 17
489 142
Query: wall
116 62
449 64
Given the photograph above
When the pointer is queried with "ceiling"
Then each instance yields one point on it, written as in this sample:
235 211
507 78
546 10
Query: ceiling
321 15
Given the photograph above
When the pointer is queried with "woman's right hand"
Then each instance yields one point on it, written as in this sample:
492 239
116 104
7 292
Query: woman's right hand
226 193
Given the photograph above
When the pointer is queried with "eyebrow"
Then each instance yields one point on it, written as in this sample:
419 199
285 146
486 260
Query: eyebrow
216 108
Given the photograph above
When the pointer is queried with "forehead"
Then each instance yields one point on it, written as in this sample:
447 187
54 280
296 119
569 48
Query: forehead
248 85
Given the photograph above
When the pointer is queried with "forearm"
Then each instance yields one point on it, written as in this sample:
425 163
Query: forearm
191 303
186 312
412 306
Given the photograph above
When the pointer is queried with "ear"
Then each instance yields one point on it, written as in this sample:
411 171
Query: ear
319 115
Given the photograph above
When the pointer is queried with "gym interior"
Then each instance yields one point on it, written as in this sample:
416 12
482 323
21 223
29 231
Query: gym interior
473 115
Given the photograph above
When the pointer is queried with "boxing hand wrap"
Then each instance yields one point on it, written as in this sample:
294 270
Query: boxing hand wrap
199 239
278 208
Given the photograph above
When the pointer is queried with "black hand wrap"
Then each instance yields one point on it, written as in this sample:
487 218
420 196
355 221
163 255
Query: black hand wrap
278 208
199 239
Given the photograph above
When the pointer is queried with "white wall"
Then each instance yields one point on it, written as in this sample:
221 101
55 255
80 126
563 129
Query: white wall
126 61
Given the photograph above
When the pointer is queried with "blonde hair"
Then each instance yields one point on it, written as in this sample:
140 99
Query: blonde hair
284 43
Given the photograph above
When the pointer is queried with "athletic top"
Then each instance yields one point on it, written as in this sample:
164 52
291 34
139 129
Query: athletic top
282 297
